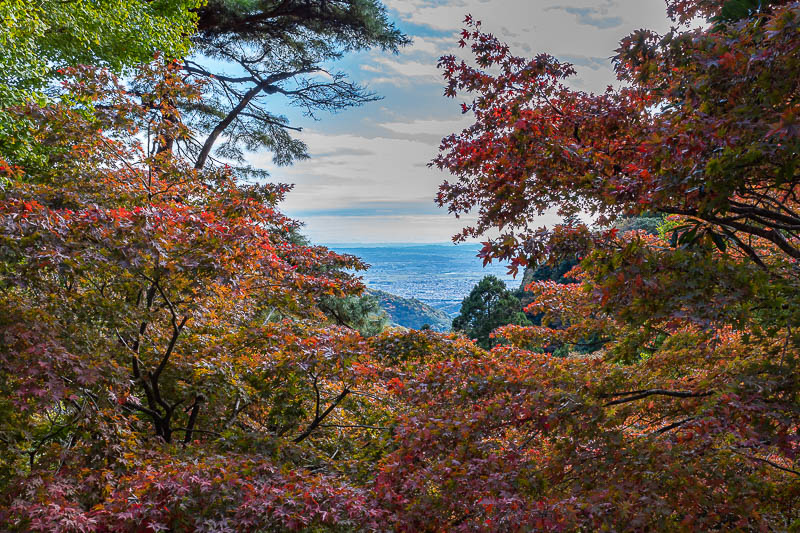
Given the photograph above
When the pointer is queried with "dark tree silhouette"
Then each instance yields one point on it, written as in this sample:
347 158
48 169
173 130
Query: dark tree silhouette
254 52
489 305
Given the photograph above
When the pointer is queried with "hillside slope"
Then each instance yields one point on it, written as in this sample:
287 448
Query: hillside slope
410 312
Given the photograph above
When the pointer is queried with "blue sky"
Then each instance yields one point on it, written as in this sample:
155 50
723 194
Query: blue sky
367 179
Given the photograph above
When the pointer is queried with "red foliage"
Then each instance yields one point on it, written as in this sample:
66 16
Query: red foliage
165 366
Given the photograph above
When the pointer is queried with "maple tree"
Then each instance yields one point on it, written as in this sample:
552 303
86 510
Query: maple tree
165 354
167 360
688 417
149 305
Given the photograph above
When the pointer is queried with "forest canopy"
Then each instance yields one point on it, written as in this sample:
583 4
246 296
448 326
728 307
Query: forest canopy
175 357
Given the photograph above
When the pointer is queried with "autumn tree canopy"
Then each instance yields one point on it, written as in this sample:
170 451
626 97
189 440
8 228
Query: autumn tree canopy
168 361
695 408
488 306
162 333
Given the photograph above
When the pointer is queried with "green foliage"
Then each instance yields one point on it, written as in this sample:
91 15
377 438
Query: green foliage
362 313
736 10
113 33
335 26
646 222
42 37
411 313
668 227
488 306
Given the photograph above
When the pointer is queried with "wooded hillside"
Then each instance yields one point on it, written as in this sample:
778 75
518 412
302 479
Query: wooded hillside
175 357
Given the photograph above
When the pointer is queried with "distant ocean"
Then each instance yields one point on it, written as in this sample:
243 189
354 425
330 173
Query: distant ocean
440 275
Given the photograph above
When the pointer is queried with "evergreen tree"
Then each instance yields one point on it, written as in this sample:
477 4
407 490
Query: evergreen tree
648 222
362 313
277 48
489 305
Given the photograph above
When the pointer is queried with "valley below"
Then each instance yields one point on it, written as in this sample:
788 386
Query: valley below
438 276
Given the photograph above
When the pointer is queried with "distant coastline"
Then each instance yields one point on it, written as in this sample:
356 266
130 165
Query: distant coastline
334 245
440 275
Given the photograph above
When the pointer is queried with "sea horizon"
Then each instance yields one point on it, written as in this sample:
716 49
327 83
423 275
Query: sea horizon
438 274
389 244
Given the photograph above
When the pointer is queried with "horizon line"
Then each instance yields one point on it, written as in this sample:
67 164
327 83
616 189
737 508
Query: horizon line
395 243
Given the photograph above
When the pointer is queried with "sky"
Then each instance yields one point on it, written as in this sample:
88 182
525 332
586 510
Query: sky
367 179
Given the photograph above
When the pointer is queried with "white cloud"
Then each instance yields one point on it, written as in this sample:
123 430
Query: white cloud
430 127
402 72
373 229
382 171
398 228
411 68
521 17
565 29
354 168
385 168
433 46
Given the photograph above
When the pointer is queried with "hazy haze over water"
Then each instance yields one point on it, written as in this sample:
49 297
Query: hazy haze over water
440 275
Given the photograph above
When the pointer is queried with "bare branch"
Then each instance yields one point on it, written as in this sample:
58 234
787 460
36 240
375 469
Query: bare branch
638 395
768 462
317 419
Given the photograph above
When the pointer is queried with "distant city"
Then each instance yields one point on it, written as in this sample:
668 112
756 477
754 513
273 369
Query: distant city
440 275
